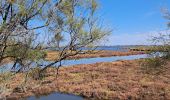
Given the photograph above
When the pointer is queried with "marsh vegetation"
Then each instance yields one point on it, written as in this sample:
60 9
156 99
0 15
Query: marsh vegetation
36 36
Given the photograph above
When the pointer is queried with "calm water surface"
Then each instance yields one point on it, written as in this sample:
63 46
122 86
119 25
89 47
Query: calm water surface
56 96
66 63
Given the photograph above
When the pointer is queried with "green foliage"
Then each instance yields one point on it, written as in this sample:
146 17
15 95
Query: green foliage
25 53
156 64
36 55
35 74
153 65
24 22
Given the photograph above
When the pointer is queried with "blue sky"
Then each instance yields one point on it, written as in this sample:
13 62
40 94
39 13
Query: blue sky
133 21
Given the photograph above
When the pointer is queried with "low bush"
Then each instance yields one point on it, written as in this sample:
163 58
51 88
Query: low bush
35 74
154 65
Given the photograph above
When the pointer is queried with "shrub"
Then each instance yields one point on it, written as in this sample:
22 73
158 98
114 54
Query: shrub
35 74
154 65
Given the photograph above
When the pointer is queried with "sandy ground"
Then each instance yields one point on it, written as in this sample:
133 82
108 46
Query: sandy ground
121 80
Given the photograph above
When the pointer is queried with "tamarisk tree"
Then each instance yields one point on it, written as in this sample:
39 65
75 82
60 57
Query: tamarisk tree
28 28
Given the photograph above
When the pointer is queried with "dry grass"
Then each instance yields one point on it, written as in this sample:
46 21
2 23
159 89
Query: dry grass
122 80
4 61
52 55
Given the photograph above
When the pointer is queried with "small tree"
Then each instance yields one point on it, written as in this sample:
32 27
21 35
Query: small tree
23 22
160 53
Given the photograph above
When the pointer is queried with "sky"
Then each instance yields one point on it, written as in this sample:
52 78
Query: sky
133 21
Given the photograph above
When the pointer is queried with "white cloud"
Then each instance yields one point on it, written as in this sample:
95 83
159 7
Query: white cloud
132 39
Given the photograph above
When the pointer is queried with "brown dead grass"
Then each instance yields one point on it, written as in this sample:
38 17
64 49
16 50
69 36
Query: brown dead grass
53 55
121 80
4 61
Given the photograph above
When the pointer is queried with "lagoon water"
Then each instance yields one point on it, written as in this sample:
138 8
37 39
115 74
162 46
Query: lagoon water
66 63
56 96
101 59
122 48
113 48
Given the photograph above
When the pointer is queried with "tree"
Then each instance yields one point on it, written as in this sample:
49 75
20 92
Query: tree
23 22
163 40
160 53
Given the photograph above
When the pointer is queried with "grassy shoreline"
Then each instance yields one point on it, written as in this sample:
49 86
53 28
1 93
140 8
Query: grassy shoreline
52 55
110 80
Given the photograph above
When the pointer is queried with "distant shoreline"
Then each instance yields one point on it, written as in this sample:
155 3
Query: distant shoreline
52 55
